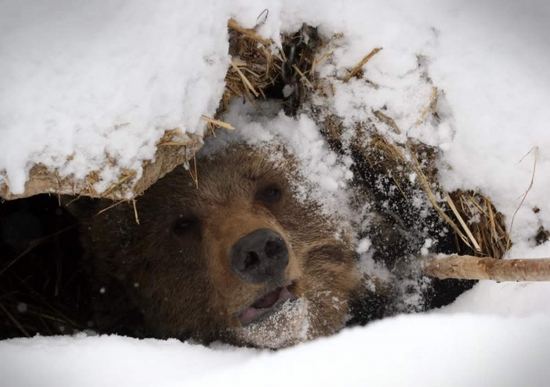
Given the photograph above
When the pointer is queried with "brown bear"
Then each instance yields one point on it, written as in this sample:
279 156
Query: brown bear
238 259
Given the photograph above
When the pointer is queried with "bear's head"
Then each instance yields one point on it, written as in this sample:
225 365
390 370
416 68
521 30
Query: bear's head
238 258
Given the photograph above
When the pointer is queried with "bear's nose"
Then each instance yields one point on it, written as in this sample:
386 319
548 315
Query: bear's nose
259 256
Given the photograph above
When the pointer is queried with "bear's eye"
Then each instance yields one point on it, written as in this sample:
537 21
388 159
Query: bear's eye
183 226
270 194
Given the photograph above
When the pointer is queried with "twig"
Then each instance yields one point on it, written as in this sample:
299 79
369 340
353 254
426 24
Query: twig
219 123
119 183
108 208
302 76
74 200
319 61
195 175
356 69
431 197
427 108
525 195
475 268
462 223
249 32
388 121
261 23
245 79
135 210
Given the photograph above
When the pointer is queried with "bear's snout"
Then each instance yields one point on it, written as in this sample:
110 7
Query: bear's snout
260 256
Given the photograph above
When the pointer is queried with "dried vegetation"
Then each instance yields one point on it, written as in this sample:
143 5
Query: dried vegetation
259 69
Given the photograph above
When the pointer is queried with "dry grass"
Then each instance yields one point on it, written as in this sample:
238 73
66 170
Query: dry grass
253 68
479 228
536 149
259 66
360 65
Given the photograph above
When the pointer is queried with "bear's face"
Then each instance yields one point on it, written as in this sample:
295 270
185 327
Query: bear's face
238 258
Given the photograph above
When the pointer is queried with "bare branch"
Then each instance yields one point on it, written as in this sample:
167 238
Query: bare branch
475 268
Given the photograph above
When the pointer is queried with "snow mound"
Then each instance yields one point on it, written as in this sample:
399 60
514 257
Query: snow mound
426 350
93 86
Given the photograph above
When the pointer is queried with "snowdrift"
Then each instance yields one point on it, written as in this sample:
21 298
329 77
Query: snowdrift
429 350
97 100
87 97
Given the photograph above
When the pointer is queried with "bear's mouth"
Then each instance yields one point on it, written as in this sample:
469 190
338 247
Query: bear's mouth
267 304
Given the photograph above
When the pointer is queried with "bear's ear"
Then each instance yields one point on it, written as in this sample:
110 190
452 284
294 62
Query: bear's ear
82 208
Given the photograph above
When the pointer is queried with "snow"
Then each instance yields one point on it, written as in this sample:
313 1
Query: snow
264 124
508 298
425 350
410 351
110 361
73 73
82 80
492 61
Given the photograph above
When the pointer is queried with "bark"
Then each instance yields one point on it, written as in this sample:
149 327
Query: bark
476 268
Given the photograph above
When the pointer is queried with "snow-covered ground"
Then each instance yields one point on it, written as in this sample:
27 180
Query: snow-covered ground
74 72
421 350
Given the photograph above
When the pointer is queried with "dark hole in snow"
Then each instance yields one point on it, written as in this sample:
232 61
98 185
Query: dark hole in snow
42 286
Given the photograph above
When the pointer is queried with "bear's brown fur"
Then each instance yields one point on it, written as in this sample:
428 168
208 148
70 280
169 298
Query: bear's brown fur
171 275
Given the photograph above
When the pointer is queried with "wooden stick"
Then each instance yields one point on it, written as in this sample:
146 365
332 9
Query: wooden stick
476 268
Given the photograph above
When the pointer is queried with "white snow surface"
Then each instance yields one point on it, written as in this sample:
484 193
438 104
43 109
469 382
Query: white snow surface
87 79
73 71
325 177
421 350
